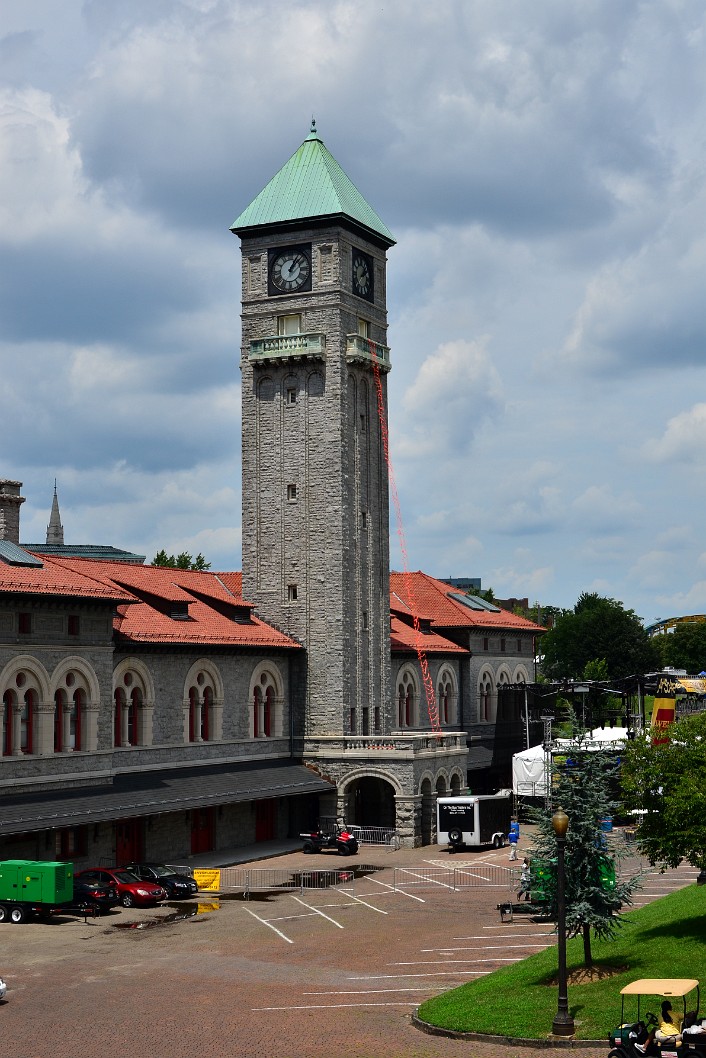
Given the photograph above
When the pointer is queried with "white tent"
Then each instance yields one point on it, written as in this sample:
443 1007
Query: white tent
530 767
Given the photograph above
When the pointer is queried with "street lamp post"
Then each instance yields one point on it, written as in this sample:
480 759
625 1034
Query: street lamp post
563 1024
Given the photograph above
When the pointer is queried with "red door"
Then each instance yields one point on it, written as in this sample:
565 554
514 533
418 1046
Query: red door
265 817
129 841
202 830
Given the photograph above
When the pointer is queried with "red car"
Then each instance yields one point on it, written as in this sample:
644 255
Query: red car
132 892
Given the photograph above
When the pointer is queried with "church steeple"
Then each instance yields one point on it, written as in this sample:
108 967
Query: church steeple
55 530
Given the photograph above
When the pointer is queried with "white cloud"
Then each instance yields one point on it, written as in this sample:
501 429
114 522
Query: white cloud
683 440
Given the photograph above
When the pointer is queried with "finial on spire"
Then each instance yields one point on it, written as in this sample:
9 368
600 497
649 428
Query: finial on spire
313 124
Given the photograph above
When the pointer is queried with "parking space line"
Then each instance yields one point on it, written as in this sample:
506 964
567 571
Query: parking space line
338 1006
410 977
317 912
448 962
269 924
392 889
369 991
415 874
489 947
371 906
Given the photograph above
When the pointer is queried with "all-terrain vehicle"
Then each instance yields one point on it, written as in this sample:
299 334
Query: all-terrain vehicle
339 838
640 1038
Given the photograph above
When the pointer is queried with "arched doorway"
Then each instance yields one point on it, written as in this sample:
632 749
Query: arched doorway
428 820
370 802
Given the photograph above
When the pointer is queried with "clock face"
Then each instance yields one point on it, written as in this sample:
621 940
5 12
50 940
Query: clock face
290 270
362 275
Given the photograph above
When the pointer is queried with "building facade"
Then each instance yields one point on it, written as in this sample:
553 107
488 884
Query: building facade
168 713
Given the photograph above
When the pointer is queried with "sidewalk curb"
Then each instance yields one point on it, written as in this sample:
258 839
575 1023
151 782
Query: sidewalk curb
511 1041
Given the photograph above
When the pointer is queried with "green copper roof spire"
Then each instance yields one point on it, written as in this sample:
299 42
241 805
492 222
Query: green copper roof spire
311 185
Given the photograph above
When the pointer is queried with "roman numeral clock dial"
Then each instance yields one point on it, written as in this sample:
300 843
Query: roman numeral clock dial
363 275
290 270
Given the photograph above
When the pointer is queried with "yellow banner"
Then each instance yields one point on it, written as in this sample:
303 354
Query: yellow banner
208 878
663 710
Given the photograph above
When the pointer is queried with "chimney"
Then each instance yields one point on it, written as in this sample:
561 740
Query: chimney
10 501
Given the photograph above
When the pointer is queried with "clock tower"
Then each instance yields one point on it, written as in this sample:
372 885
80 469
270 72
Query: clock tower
314 363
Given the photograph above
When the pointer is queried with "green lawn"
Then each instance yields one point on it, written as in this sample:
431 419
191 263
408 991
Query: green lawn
667 938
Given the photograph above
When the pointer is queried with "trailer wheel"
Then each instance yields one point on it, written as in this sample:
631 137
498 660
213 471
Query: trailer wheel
18 915
498 841
455 836
4 913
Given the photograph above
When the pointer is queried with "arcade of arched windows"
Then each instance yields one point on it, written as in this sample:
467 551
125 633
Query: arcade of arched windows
44 715
447 696
40 716
266 702
133 705
407 697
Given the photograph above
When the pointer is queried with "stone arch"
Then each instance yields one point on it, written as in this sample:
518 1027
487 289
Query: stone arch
27 708
428 819
266 701
447 695
133 703
521 675
367 797
407 696
76 698
202 704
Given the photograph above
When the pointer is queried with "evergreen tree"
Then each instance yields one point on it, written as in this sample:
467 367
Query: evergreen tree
583 784
180 561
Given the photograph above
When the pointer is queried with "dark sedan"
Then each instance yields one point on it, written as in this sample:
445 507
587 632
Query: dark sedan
178 885
93 897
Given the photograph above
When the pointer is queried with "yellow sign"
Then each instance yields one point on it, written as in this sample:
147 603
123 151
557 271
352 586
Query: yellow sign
208 878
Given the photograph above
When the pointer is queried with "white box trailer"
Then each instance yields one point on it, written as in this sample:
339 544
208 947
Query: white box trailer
474 819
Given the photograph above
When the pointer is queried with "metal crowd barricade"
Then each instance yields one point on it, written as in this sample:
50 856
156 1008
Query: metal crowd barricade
271 880
386 837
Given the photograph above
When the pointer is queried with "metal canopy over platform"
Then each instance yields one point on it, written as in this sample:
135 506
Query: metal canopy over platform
157 793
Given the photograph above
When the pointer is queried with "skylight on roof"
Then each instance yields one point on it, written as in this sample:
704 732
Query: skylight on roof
14 555
473 602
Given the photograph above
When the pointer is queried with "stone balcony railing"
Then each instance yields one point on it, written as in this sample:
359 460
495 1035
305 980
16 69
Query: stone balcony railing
398 743
366 351
288 347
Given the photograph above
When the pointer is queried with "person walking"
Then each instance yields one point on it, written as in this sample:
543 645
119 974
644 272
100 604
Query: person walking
513 839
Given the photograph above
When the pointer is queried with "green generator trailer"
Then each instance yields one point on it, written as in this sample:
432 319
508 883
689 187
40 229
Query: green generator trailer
33 887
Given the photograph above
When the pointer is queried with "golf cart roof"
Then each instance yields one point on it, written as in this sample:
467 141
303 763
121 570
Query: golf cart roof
659 986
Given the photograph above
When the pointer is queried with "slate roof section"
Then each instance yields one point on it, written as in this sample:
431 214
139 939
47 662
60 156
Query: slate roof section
156 793
311 185
433 599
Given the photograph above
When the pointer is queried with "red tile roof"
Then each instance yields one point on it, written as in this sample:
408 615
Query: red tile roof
212 612
431 599
404 638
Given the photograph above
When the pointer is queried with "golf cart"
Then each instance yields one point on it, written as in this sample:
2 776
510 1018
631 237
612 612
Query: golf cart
635 1039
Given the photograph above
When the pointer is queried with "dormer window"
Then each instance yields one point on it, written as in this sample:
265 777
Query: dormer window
179 611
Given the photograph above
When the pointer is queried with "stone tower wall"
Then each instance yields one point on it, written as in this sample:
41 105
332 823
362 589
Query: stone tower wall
327 444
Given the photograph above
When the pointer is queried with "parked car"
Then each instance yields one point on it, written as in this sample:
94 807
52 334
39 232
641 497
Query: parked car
93 896
132 892
178 885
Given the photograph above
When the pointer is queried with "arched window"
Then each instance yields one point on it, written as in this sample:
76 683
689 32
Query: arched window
119 700
8 701
133 729
484 698
29 709
263 706
76 722
206 710
60 711
446 698
193 712
406 701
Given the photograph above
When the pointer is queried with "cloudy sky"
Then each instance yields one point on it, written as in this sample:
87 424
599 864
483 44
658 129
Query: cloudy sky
542 167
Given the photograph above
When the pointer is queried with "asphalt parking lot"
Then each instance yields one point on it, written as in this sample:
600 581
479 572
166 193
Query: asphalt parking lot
294 974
